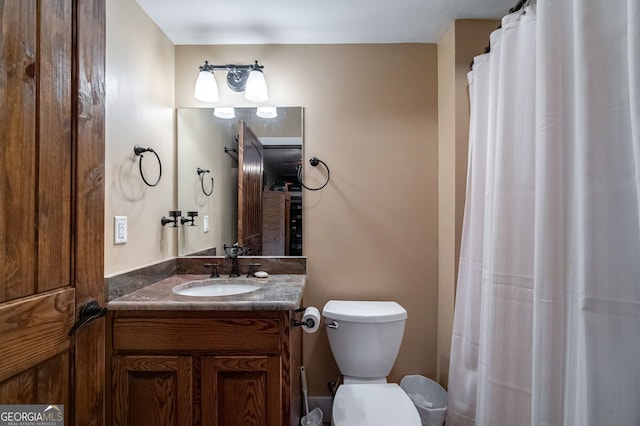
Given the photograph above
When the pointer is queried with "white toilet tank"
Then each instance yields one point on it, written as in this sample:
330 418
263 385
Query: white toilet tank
365 337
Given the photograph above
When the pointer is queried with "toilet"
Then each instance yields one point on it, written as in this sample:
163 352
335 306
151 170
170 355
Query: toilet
365 338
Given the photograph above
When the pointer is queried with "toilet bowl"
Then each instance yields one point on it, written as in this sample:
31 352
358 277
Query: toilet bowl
373 405
365 338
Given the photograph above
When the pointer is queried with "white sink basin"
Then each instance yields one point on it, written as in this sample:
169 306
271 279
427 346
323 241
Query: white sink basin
209 288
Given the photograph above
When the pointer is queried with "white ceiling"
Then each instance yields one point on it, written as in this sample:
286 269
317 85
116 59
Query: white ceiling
311 22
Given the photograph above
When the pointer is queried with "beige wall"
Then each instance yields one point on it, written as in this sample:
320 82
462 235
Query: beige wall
461 42
371 115
371 112
139 110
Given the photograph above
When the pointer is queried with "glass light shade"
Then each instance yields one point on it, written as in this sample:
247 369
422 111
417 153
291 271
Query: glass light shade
224 112
267 112
256 88
206 88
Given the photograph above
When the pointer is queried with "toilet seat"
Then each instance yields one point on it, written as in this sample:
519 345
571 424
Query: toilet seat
373 405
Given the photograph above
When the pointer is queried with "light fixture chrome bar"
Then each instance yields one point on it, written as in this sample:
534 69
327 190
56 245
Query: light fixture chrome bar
237 78
230 67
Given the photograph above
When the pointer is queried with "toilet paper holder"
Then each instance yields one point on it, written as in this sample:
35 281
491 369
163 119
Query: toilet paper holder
309 323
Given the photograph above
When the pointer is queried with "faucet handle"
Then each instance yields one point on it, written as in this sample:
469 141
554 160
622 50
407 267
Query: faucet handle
214 269
252 268
191 220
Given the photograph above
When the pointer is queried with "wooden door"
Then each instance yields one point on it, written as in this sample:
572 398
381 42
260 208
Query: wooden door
241 391
250 170
274 223
52 197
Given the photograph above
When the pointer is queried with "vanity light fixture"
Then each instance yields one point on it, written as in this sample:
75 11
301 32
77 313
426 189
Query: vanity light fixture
224 112
240 78
267 112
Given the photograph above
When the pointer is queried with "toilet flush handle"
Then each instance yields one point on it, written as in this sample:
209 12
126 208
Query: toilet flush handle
333 324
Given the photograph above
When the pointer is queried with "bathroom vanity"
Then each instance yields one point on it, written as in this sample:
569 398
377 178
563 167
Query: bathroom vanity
221 360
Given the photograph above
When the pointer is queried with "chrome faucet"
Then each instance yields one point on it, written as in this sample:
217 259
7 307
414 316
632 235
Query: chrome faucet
232 253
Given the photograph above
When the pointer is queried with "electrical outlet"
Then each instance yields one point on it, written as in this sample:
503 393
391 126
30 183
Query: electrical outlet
119 230
205 223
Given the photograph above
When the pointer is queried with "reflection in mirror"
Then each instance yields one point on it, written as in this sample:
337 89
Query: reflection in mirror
207 142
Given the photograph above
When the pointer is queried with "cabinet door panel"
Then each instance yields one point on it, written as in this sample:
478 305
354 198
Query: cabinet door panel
241 391
152 390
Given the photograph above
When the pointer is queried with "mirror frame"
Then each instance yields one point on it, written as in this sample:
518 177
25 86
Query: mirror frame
218 158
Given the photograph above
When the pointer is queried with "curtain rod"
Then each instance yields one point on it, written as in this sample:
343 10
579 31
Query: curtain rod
514 9
518 6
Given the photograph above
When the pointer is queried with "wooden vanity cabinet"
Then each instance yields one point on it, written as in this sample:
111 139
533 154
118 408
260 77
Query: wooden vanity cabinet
213 368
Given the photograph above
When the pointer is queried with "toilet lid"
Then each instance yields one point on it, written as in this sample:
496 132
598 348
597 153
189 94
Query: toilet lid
363 311
373 405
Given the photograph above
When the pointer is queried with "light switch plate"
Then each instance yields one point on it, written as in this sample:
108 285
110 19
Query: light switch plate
119 230
205 223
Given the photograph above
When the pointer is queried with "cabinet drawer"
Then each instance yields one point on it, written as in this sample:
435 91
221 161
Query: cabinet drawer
207 335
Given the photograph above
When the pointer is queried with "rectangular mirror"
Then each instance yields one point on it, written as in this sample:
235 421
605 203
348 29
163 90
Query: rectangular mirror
209 161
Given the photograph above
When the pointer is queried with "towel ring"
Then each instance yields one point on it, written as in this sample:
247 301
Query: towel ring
138 150
314 161
201 173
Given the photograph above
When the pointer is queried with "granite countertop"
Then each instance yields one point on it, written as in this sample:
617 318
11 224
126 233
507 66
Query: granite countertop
277 292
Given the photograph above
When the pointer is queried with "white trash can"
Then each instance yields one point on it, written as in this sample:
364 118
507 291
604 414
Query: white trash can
429 398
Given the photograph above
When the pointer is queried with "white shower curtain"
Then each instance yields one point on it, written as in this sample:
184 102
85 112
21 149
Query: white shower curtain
547 316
